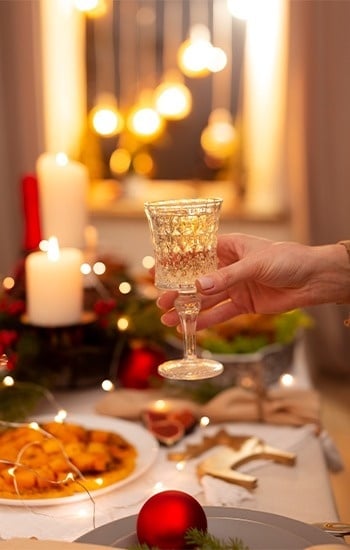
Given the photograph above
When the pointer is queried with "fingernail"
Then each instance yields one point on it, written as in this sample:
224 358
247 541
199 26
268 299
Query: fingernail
206 282
163 320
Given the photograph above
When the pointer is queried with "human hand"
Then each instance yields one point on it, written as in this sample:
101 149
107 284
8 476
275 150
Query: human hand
256 275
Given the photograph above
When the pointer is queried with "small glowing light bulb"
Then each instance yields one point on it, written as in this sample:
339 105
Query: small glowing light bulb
125 287
99 268
107 385
123 323
8 381
61 415
148 262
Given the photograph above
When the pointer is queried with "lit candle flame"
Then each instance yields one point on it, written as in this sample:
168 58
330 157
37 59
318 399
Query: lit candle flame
61 159
53 251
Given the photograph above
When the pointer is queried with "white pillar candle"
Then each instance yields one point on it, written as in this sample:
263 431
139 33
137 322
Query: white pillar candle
54 286
63 189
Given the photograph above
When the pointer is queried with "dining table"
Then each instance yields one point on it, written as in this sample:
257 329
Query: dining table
301 491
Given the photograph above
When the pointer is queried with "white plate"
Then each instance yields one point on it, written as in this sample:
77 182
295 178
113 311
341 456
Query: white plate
258 530
146 445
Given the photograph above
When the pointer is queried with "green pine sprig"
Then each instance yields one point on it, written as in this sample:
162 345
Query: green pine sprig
204 541
207 541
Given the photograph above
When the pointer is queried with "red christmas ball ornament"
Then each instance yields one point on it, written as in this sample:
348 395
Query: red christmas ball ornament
165 518
140 365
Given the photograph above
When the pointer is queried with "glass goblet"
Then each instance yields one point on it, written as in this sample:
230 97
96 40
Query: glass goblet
184 236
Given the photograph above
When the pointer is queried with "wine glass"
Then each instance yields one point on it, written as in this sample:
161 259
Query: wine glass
184 235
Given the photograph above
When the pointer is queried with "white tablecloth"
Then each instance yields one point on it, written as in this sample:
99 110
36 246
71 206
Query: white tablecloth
301 492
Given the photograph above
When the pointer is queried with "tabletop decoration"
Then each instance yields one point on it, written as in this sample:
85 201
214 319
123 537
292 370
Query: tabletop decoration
289 406
54 286
167 425
184 525
122 333
232 451
121 340
31 212
179 512
196 538
63 188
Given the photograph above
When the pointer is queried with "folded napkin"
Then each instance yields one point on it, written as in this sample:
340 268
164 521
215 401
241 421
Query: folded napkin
221 493
284 406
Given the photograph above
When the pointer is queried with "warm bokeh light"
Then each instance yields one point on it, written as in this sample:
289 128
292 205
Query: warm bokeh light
125 287
92 8
106 121
197 56
173 100
218 139
86 5
287 380
181 465
217 60
61 415
8 283
120 161
85 269
107 385
8 381
160 405
148 262
193 56
143 164
99 268
123 323
146 123
204 421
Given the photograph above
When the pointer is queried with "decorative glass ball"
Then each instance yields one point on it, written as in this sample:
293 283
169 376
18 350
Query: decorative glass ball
165 518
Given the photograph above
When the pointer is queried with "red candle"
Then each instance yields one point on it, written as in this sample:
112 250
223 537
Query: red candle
30 202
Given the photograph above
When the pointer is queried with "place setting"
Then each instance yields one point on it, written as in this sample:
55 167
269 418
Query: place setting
103 478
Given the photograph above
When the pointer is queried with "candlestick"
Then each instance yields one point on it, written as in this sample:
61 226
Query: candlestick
63 186
54 285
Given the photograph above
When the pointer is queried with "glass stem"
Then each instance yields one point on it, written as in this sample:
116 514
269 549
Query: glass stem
188 307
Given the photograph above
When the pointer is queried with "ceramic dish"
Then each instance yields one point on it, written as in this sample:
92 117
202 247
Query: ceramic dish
258 530
33 544
146 445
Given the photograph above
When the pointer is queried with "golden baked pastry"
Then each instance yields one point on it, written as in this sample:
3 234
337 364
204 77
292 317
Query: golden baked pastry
54 459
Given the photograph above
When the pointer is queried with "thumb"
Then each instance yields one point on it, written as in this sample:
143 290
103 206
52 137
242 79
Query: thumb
224 278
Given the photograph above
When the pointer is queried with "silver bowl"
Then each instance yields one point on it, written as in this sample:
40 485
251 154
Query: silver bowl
263 367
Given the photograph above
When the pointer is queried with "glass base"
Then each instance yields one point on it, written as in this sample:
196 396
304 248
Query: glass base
190 369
